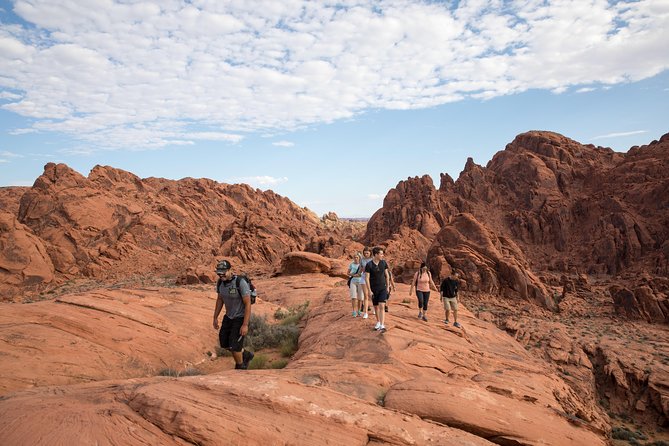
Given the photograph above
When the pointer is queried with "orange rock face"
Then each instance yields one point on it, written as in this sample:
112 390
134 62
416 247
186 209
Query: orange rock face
113 225
419 383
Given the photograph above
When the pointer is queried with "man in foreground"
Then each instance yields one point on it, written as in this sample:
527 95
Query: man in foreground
377 282
236 296
449 295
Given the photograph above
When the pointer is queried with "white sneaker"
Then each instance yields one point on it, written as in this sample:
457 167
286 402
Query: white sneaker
377 326
364 316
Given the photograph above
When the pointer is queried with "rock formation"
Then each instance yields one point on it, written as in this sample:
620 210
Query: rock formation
113 225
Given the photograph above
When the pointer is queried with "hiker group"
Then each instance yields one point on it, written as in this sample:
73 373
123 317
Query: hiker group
370 276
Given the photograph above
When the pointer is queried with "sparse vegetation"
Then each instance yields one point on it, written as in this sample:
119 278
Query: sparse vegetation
279 363
190 371
381 397
259 361
623 433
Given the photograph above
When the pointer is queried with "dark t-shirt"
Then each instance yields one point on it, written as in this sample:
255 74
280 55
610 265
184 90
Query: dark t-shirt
377 276
449 287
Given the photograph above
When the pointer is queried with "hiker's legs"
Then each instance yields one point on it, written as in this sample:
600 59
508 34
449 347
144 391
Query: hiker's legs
447 313
365 299
455 316
353 294
426 299
380 299
419 296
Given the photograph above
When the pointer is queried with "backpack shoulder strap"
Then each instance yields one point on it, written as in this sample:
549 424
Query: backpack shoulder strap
238 282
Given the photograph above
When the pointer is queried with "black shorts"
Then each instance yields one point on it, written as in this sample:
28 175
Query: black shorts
379 296
229 336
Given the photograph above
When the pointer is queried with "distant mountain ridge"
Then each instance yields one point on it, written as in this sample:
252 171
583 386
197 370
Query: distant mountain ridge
545 206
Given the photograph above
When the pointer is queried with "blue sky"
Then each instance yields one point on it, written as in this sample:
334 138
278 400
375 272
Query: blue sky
327 103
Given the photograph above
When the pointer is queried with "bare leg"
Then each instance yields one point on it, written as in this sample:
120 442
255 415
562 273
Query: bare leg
381 313
238 357
447 313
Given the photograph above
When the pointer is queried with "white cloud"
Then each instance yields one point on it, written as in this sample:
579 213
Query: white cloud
619 134
374 196
585 90
259 181
6 154
283 144
151 74
3 160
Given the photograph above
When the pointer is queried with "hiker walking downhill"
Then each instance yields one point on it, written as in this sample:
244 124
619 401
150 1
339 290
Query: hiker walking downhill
377 282
449 295
364 305
235 294
355 272
422 283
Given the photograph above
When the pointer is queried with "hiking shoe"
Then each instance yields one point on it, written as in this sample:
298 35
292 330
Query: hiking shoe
365 316
355 314
240 367
420 315
247 356
424 318
377 326
446 321
457 324
382 329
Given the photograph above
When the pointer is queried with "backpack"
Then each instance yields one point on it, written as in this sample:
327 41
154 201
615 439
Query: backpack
238 280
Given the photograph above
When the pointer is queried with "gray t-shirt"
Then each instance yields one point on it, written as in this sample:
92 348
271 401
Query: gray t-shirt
234 305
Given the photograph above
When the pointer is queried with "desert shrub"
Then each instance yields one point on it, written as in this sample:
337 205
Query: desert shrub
279 363
289 346
622 433
295 314
259 361
191 371
381 397
264 335
279 314
406 301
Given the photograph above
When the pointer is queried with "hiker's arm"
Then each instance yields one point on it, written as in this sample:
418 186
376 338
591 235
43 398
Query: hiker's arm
369 289
412 288
388 282
247 315
217 311
432 284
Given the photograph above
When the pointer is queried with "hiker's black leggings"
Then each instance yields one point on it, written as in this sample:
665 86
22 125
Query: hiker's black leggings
423 299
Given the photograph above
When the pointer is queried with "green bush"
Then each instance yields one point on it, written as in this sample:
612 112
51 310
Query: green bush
168 372
279 364
263 335
295 314
622 433
259 361
289 347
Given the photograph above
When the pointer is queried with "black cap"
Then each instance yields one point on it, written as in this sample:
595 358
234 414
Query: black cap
223 266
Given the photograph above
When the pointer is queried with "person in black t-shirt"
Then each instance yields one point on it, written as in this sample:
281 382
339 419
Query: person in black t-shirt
377 281
449 295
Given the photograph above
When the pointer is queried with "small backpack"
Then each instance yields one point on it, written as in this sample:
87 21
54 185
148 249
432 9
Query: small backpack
238 280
